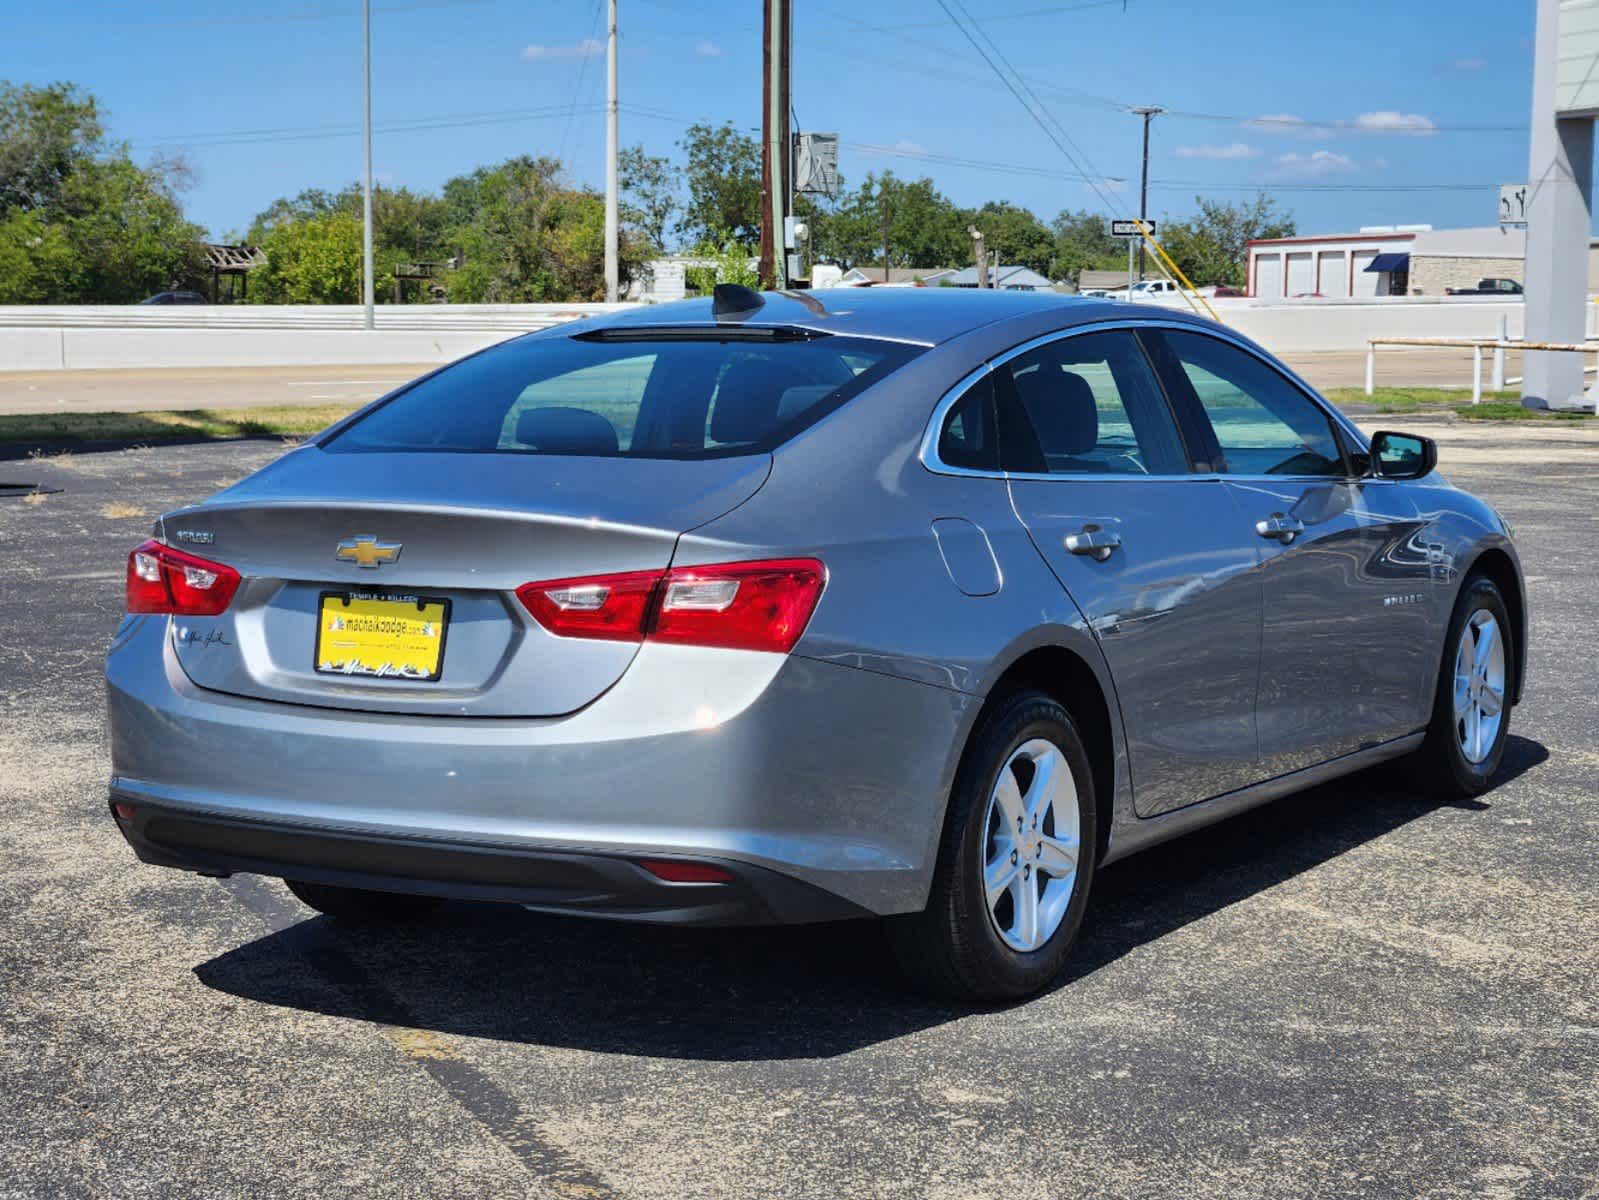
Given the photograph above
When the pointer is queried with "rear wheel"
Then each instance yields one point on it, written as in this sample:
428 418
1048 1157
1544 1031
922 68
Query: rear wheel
1016 861
358 904
1471 711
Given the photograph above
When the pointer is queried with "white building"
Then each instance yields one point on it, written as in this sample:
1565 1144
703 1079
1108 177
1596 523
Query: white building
1333 265
1404 260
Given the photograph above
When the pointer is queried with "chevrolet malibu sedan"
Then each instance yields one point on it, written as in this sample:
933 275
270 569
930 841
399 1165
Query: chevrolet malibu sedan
920 606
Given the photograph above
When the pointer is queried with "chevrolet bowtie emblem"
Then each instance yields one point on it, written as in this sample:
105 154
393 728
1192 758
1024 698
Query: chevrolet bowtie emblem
366 551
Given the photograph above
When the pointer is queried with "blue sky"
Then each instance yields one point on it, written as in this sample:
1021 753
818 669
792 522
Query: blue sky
1334 108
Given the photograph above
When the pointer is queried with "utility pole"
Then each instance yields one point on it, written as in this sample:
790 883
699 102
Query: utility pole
366 185
979 255
882 207
1148 112
775 150
612 220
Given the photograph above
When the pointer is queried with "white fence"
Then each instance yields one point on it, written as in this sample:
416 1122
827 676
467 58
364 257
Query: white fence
88 337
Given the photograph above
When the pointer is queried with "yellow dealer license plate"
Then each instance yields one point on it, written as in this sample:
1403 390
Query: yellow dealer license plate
389 637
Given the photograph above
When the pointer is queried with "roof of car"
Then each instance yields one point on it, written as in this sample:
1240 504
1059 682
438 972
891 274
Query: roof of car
924 315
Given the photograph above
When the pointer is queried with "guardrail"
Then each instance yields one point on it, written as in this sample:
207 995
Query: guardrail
443 317
1476 345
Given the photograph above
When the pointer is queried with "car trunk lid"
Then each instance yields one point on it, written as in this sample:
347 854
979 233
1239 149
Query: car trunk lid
456 530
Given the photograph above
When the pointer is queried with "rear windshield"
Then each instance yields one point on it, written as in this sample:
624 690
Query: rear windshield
676 397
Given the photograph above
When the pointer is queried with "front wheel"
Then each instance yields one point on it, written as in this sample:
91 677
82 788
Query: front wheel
360 905
1471 710
1016 861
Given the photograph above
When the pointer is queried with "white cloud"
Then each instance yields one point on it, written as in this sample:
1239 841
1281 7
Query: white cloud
1287 123
708 49
906 146
1389 121
1232 150
1321 162
587 48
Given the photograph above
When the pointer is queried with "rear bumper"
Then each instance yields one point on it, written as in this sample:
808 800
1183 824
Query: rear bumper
831 777
589 884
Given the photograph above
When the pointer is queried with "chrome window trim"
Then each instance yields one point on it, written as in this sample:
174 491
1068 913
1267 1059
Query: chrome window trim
935 424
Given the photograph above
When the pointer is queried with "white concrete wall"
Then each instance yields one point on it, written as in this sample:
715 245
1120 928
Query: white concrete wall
1347 325
130 337
1284 327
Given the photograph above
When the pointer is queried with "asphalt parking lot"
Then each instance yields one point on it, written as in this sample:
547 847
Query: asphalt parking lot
1351 993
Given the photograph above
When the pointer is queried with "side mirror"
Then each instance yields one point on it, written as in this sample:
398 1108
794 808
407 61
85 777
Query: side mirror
1402 455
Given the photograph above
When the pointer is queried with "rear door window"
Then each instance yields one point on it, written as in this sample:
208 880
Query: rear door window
1087 404
687 395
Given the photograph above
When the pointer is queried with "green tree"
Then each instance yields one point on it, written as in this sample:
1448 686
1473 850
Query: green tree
724 185
407 227
730 263
313 260
46 133
1083 243
80 221
924 228
1014 236
525 235
649 194
1211 247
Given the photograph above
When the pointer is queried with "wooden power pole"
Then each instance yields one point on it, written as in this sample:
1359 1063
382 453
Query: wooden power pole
775 151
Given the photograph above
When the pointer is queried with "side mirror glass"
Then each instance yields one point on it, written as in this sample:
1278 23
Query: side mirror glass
1402 455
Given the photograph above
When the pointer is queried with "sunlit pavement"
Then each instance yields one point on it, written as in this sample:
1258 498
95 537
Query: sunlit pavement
1351 993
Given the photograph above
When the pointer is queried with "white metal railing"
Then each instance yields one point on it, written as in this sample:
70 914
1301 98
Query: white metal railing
298 316
1477 345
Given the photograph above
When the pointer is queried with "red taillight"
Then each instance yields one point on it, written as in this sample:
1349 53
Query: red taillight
612 607
741 606
737 606
164 580
673 871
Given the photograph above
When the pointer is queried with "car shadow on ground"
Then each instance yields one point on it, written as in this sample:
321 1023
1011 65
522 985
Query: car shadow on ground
493 971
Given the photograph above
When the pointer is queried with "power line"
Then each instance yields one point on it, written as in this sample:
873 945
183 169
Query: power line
577 90
320 132
1041 172
277 18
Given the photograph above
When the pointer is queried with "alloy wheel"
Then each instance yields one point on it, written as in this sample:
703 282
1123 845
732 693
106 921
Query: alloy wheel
1031 845
1479 686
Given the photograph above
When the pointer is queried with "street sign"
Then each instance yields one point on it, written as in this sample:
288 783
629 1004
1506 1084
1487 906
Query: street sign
1129 229
1512 204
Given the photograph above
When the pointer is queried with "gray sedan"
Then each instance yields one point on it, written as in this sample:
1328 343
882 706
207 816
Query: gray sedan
795 607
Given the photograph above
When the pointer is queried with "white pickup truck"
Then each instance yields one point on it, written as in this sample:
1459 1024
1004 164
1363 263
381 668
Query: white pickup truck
1145 289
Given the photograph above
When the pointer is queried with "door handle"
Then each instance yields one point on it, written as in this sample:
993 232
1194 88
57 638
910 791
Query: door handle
1280 528
1093 541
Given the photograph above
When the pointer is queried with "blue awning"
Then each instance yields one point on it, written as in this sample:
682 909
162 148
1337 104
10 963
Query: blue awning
1390 262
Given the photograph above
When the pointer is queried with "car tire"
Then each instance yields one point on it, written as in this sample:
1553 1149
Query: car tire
1445 765
360 905
956 947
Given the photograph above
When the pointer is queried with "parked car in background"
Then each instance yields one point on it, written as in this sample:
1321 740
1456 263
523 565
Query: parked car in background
1146 289
175 298
1488 287
919 605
